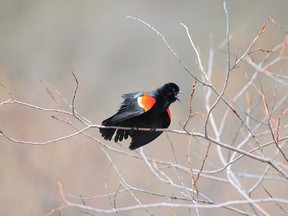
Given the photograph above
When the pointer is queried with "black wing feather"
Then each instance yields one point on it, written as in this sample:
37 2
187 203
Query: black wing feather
129 109
140 138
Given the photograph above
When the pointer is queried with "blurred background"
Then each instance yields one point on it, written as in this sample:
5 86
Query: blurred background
41 42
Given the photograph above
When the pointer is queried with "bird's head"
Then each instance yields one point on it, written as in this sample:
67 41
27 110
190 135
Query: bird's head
168 93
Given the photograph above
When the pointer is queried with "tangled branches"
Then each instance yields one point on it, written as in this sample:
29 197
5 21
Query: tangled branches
256 113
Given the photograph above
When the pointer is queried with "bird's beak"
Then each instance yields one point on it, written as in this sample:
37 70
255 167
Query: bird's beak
176 96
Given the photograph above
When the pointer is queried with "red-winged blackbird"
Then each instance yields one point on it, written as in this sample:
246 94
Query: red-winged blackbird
142 110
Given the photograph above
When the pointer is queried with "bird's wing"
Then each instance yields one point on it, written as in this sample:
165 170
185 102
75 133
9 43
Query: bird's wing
140 138
134 104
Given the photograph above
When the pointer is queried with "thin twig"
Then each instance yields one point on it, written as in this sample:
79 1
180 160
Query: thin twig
169 47
74 95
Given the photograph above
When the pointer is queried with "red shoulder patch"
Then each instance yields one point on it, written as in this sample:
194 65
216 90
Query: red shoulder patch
169 112
146 101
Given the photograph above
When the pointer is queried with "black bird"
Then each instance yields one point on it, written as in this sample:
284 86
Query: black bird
142 110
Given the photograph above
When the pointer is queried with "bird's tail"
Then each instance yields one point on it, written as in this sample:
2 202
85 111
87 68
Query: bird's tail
107 133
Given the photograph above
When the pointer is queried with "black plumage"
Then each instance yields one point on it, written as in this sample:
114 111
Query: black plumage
142 110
